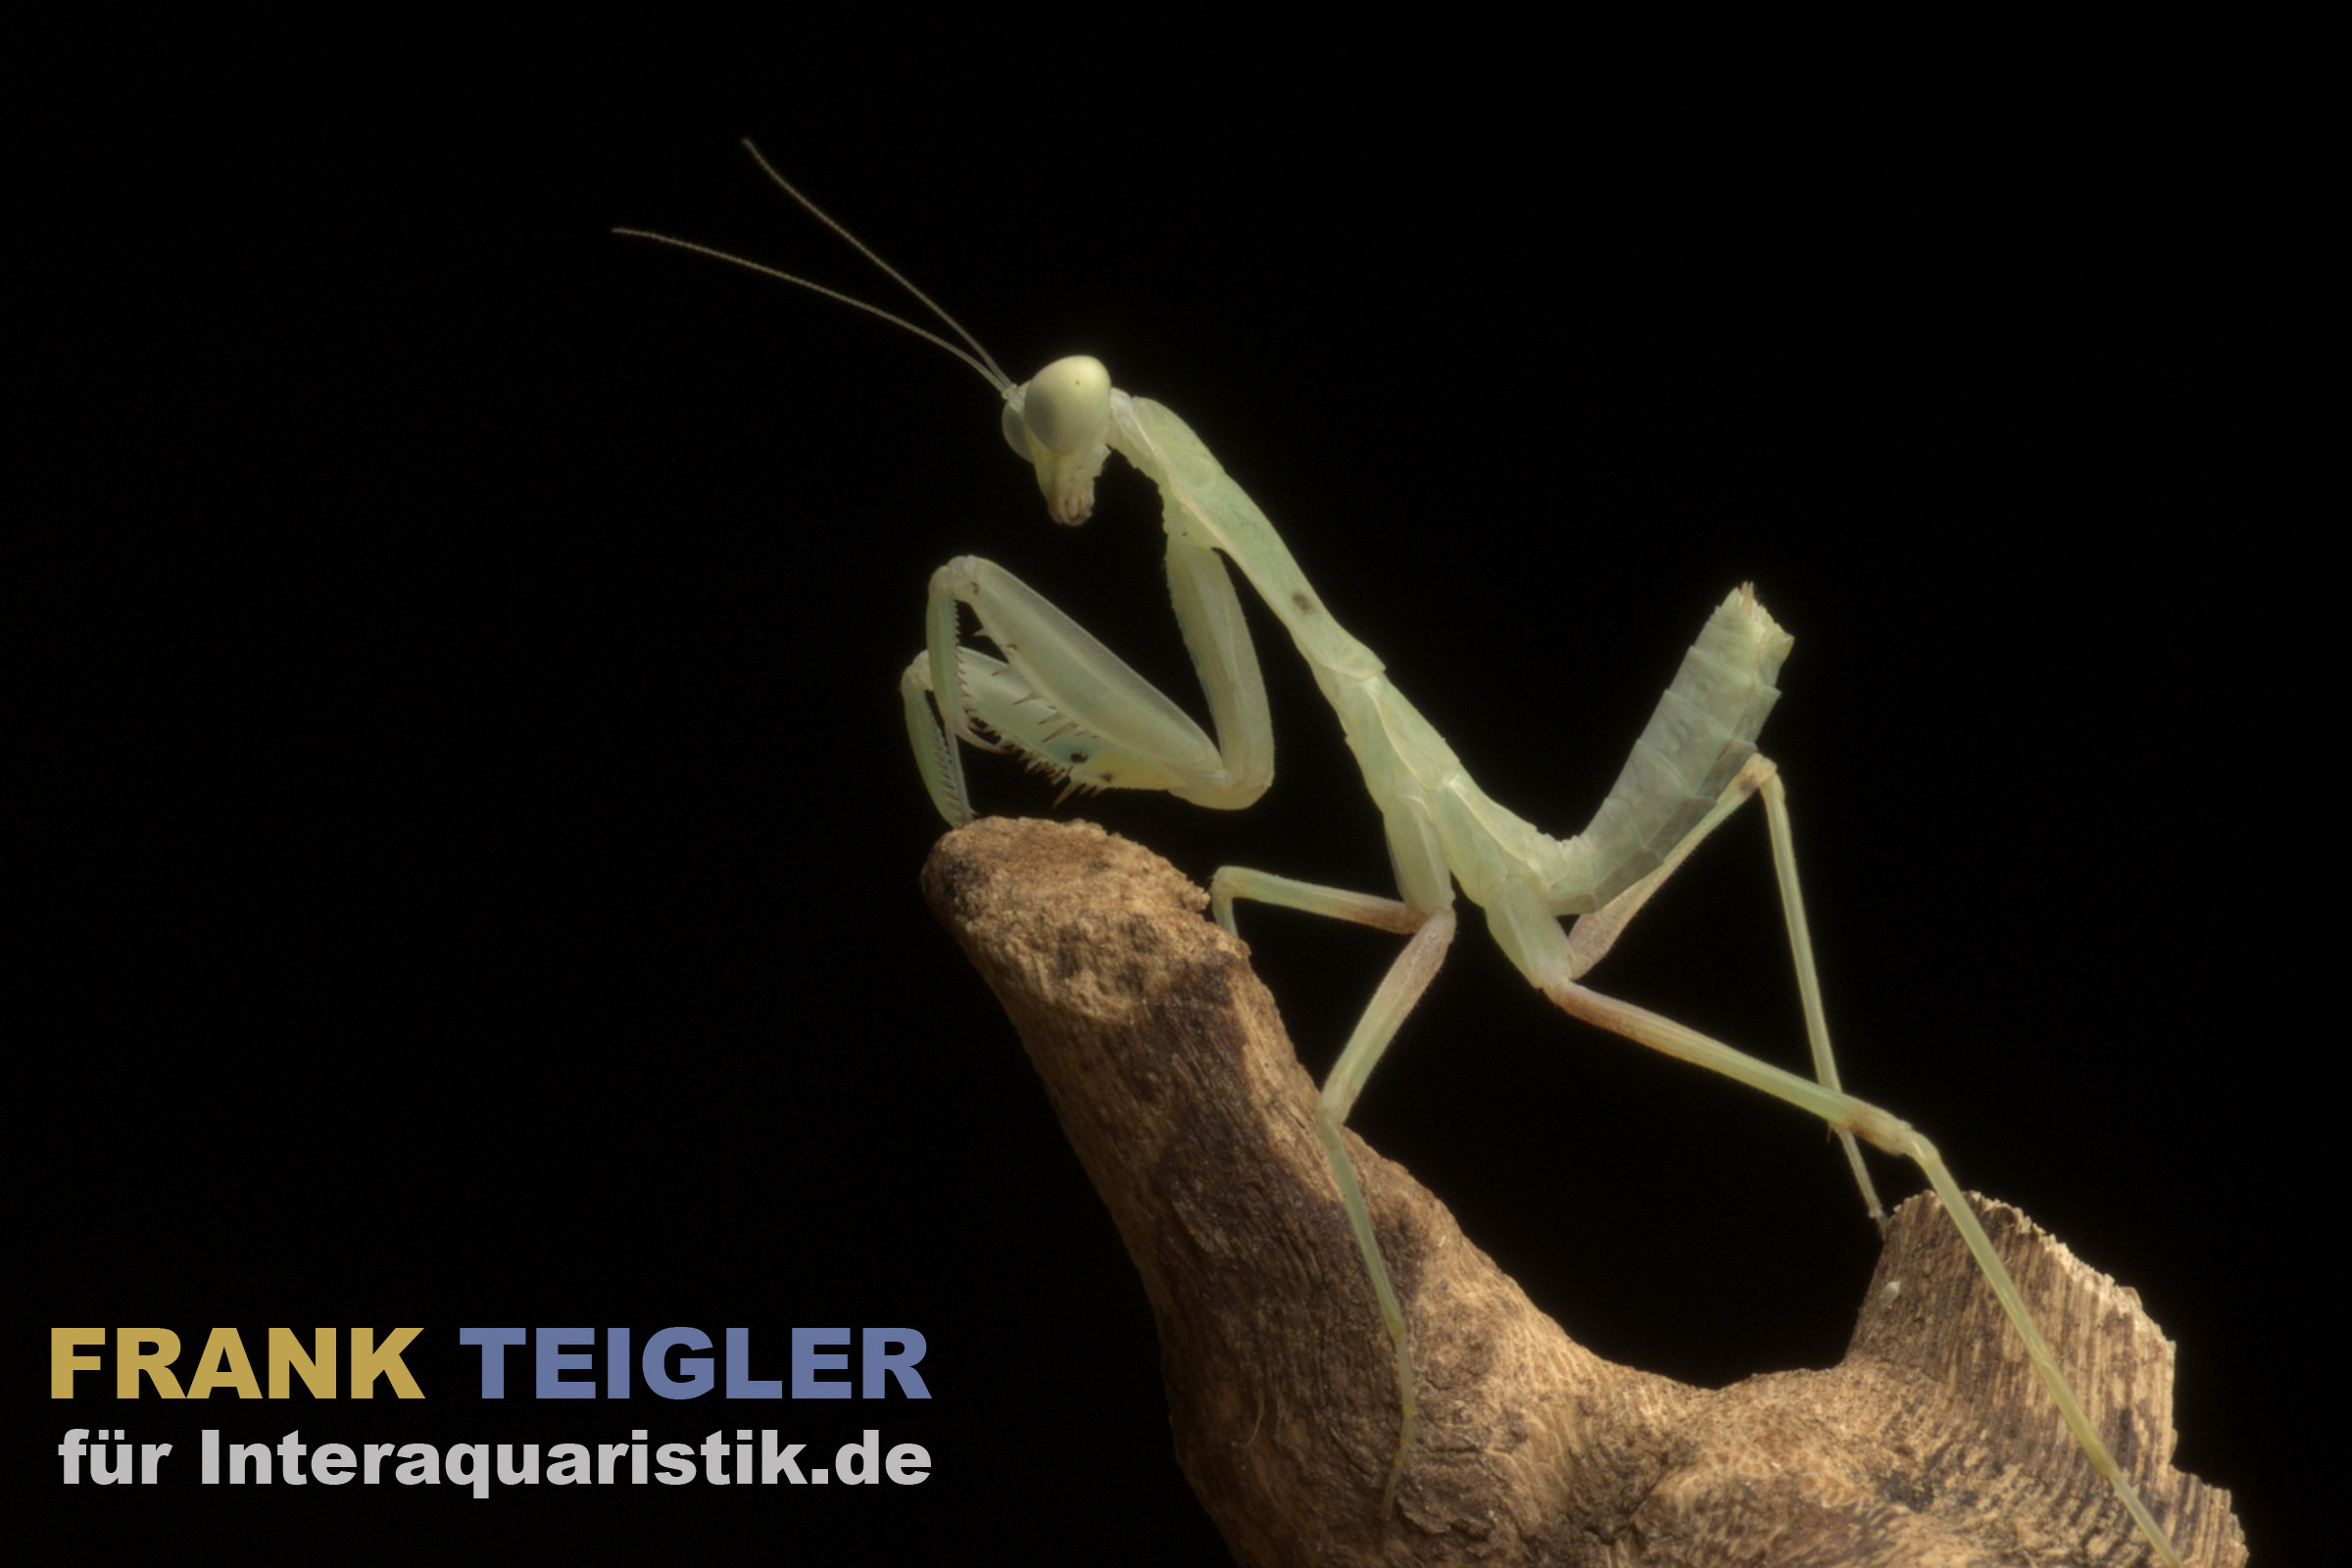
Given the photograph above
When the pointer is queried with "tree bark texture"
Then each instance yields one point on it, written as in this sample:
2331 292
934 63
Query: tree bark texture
1931 1446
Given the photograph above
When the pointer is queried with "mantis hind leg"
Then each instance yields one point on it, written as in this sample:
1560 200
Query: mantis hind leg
1520 924
1592 935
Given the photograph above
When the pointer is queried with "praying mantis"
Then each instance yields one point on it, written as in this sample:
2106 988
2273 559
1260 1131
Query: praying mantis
1059 698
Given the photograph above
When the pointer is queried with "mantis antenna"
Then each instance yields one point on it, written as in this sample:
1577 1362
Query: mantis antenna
1056 420
979 359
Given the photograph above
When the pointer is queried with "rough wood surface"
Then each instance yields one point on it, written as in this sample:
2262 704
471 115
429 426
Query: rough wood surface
1931 1444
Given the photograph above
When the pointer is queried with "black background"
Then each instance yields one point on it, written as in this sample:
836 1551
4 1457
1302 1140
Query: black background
469 837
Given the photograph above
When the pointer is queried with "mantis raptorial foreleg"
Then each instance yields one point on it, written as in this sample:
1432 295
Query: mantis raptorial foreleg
1072 708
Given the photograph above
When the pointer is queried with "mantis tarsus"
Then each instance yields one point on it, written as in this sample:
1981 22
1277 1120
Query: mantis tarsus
1068 705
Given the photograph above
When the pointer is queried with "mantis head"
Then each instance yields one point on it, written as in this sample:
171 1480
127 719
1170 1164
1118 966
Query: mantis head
1059 419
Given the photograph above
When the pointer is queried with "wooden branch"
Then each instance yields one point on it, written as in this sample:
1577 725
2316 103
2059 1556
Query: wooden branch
1931 1444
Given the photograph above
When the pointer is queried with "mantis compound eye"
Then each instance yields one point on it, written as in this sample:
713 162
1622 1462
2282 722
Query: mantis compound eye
1067 404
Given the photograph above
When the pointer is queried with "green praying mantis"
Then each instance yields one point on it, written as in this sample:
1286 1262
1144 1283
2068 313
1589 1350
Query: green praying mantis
1062 700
